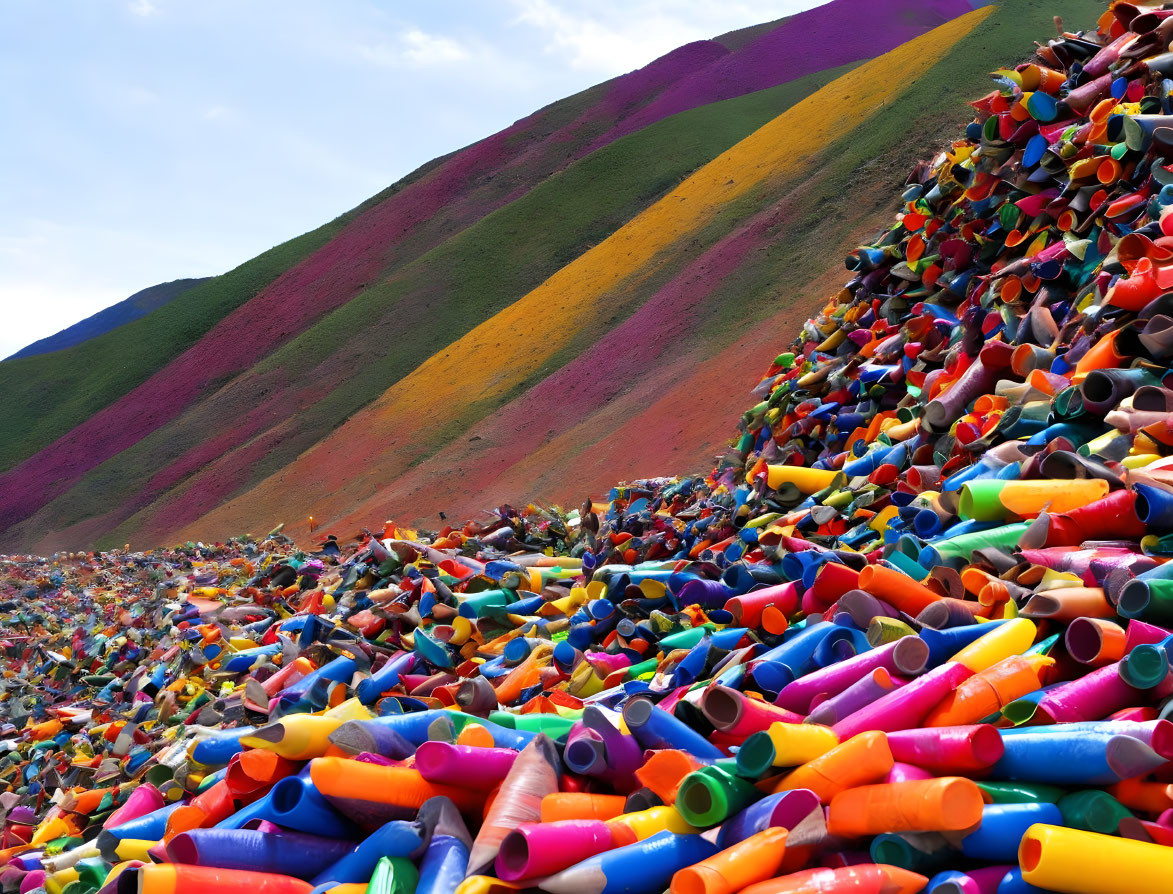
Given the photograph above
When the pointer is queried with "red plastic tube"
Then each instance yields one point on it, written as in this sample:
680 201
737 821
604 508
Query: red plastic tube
738 715
948 749
748 610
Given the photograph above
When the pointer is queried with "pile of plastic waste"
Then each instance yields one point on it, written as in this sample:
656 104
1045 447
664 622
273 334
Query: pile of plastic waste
913 633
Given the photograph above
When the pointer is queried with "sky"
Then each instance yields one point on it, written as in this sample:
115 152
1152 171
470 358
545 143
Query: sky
150 140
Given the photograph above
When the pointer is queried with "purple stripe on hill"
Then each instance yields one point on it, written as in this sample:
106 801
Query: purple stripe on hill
840 32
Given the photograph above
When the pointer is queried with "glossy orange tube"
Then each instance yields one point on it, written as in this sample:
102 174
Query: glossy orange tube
663 771
1148 797
255 770
864 878
372 794
1095 641
47 729
525 674
87 802
1068 603
205 809
948 804
860 760
989 691
897 589
756 859
581 805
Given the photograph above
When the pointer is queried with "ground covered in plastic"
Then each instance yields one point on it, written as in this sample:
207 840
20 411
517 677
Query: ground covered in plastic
912 633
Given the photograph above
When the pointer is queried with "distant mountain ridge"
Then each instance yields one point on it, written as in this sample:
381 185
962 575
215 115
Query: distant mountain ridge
137 305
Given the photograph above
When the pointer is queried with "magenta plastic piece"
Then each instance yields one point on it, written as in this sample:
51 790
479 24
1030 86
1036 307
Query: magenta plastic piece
537 849
902 772
859 694
907 706
906 655
143 800
463 765
1091 697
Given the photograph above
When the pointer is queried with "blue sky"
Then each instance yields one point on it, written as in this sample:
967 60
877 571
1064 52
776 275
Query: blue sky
148 140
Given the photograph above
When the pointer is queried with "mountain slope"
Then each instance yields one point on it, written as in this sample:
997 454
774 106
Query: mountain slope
125 311
214 430
487 365
396 227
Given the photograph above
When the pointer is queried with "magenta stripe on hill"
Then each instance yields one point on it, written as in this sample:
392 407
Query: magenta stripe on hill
814 40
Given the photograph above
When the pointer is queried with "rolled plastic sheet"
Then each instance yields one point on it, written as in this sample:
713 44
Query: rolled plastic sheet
755 859
870 877
533 775
992 500
296 803
657 729
1001 829
1066 757
784 745
1091 697
906 656
798 811
1076 862
948 749
906 707
920 852
178 879
989 691
710 795
861 759
451 764
368 794
397 838
445 861
859 694
1092 811
394 875
645 867
738 715
946 804
280 852
533 850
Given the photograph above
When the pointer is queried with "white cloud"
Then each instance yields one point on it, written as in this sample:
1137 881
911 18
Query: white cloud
413 47
143 8
428 49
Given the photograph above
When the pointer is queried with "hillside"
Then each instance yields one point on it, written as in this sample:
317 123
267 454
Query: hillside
573 295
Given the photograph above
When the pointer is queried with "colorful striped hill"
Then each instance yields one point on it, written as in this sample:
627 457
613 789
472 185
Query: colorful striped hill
584 297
